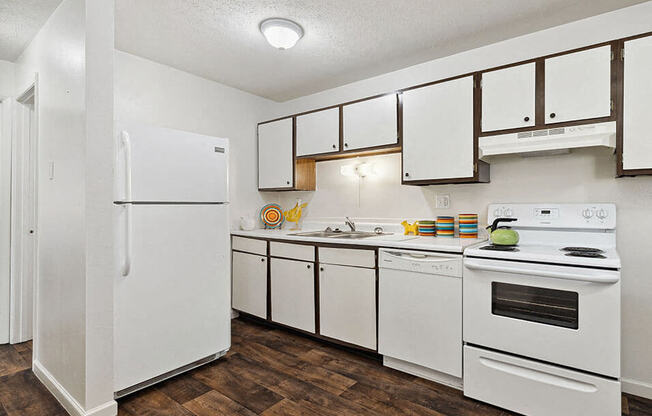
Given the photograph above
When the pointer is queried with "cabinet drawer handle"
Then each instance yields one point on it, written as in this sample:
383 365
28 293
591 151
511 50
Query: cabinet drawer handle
553 115
526 119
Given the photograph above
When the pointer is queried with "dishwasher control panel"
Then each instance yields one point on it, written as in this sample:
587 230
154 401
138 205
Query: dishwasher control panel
421 262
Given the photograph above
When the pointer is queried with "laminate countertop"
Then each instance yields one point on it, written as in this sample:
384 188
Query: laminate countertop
396 240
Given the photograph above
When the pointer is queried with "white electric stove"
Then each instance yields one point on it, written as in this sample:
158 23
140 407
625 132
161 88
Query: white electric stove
542 319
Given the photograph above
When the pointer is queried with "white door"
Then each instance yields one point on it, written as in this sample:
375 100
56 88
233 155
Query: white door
637 138
525 308
578 85
371 123
318 132
347 304
438 131
165 165
420 319
250 284
508 97
293 293
172 294
275 155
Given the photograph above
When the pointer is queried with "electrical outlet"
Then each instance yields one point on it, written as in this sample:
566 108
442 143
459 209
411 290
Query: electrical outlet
443 201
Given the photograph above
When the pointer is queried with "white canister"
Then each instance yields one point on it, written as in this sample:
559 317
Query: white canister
247 223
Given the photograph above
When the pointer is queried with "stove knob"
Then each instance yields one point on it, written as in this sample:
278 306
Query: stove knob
602 214
509 212
587 213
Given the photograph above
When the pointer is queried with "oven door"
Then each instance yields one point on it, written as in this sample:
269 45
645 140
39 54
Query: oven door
565 315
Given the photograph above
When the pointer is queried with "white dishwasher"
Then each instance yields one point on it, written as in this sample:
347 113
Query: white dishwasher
420 313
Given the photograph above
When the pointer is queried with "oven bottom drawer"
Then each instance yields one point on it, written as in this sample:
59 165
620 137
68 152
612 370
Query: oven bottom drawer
536 389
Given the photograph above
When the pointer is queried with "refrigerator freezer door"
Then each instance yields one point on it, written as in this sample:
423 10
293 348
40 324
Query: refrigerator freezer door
155 164
173 307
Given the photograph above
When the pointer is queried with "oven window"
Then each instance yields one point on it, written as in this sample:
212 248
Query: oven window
535 304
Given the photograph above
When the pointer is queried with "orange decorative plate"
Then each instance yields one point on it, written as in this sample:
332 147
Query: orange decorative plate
272 216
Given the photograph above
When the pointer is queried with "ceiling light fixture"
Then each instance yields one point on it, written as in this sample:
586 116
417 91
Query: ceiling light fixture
281 33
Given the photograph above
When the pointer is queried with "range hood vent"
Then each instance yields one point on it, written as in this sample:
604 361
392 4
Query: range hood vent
549 141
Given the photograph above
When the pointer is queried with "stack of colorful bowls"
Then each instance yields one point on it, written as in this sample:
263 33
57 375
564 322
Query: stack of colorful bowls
427 228
445 226
468 225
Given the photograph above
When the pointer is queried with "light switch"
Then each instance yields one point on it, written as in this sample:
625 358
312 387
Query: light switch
443 201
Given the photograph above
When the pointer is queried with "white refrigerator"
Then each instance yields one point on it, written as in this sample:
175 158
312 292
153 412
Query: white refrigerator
172 296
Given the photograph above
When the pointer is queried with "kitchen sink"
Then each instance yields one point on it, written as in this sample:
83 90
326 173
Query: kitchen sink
339 234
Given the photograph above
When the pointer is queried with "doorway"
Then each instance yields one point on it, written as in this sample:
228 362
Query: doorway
24 230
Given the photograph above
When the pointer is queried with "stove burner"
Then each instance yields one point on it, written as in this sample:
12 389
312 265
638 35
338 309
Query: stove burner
582 250
591 254
499 248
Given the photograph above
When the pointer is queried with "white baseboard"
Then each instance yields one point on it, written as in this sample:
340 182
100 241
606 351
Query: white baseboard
68 402
637 388
423 372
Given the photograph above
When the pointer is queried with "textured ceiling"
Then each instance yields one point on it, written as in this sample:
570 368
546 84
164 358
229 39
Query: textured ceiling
20 20
345 40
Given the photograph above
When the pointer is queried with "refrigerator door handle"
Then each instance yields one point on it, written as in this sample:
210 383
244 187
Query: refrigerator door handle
126 265
126 143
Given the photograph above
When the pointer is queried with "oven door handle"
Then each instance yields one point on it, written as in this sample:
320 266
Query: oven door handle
542 273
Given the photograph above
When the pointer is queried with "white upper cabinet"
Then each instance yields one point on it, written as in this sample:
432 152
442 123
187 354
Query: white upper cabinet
578 85
508 98
438 131
637 108
371 123
318 132
275 156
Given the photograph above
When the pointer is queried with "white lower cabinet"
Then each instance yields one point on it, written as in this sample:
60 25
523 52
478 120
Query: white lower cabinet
347 304
536 389
250 284
293 293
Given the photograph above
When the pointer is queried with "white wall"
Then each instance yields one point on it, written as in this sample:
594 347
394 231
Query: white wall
156 94
72 55
6 90
585 175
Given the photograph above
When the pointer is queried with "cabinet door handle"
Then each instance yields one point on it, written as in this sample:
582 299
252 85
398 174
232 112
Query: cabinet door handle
321 269
308 266
288 182
263 260
553 115
407 174
334 147
346 145
526 119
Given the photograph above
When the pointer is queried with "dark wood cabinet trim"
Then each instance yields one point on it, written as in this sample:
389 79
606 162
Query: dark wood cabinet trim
269 284
539 94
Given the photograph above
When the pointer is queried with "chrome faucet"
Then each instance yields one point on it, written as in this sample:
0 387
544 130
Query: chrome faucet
350 223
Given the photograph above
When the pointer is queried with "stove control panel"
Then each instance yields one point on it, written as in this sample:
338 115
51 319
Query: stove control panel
580 216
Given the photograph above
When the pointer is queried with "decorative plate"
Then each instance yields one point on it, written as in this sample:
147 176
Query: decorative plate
272 216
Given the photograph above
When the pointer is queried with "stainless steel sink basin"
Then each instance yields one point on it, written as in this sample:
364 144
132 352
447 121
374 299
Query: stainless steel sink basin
339 234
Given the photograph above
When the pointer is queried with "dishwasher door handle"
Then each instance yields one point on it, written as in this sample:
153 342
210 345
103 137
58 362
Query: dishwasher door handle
425 258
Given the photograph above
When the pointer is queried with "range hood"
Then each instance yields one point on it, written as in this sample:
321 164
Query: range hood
549 141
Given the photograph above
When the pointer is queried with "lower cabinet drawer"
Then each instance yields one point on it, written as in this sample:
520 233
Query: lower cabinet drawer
293 293
537 389
347 257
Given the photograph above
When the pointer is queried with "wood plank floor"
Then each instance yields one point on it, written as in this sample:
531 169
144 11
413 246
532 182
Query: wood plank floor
269 372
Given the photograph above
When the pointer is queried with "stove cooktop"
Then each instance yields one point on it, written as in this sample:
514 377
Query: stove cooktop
583 250
499 248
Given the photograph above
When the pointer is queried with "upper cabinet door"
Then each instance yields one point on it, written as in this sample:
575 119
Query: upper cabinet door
371 123
637 136
318 132
578 85
508 98
275 157
438 131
